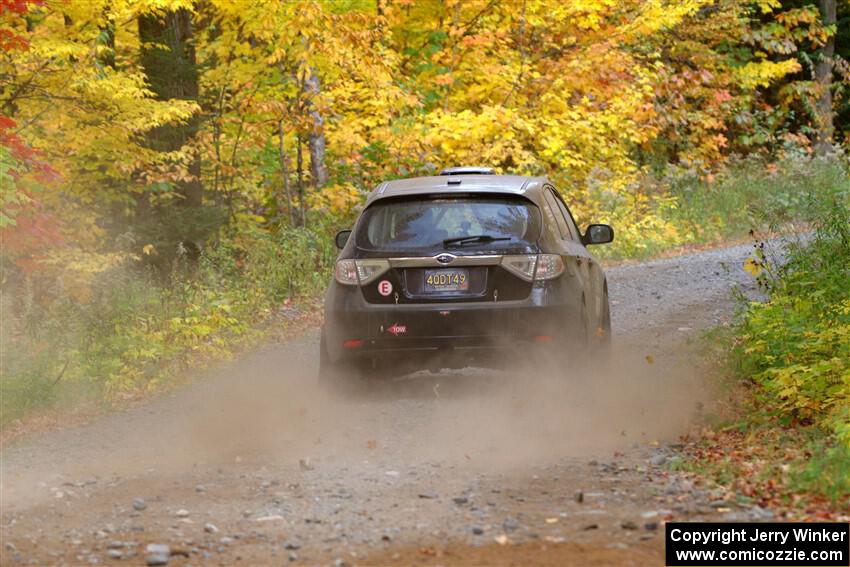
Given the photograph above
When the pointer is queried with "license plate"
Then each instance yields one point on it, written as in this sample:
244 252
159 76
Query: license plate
446 280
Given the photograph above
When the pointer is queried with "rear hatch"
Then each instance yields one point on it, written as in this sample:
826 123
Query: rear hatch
457 255
448 249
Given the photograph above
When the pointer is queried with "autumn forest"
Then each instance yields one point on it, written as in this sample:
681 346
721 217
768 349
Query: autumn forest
173 171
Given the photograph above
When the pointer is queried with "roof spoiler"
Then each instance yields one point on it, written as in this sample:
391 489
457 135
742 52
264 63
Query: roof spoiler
468 170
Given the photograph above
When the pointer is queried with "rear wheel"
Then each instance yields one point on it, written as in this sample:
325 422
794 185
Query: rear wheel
569 355
335 376
603 333
583 339
580 343
583 349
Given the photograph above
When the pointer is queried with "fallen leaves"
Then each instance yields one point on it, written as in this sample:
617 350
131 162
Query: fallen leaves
753 466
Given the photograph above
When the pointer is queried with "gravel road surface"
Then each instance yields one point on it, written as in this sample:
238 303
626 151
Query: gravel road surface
254 465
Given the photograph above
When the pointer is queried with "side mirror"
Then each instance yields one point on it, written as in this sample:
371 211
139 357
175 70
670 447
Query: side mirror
598 234
342 238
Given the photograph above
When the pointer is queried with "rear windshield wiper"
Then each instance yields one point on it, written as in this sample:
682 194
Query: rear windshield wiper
473 239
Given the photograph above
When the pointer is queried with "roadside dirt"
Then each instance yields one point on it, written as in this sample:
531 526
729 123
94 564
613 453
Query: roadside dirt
254 464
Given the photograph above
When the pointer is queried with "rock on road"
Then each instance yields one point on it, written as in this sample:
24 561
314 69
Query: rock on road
252 463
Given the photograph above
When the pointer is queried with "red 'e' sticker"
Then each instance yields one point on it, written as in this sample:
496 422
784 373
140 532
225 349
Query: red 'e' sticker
385 287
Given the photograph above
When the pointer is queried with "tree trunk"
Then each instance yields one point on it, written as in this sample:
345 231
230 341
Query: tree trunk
823 77
453 62
168 58
284 170
300 165
316 136
379 11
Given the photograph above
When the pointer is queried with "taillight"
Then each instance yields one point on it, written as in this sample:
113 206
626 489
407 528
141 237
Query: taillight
549 266
369 270
534 267
352 272
522 266
346 272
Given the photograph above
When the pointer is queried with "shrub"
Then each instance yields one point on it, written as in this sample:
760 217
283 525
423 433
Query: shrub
796 345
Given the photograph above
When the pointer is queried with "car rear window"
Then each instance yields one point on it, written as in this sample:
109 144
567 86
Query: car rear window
426 223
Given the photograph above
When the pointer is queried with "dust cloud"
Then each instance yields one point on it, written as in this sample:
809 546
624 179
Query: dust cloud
268 410
473 417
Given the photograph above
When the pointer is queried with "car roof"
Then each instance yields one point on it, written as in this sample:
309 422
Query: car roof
455 184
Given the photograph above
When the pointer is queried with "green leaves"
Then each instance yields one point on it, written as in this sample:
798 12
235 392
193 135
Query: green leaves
797 344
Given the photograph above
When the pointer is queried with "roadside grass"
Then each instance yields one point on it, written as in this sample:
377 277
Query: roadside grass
783 438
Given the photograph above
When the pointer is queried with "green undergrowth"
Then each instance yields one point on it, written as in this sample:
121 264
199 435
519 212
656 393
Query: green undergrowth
684 208
789 367
130 330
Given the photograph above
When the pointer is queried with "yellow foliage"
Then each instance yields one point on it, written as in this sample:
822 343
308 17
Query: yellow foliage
77 269
752 267
582 91
762 73
339 198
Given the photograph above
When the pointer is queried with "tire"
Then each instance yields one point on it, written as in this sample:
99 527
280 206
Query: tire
336 377
604 331
580 344
583 351
569 356
583 337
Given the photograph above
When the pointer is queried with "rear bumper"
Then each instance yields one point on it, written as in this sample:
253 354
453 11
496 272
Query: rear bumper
484 331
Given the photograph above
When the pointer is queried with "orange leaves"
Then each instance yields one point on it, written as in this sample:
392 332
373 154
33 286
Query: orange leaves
33 234
11 13
722 96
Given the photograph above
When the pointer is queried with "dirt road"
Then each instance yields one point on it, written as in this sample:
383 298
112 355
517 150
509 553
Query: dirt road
254 465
